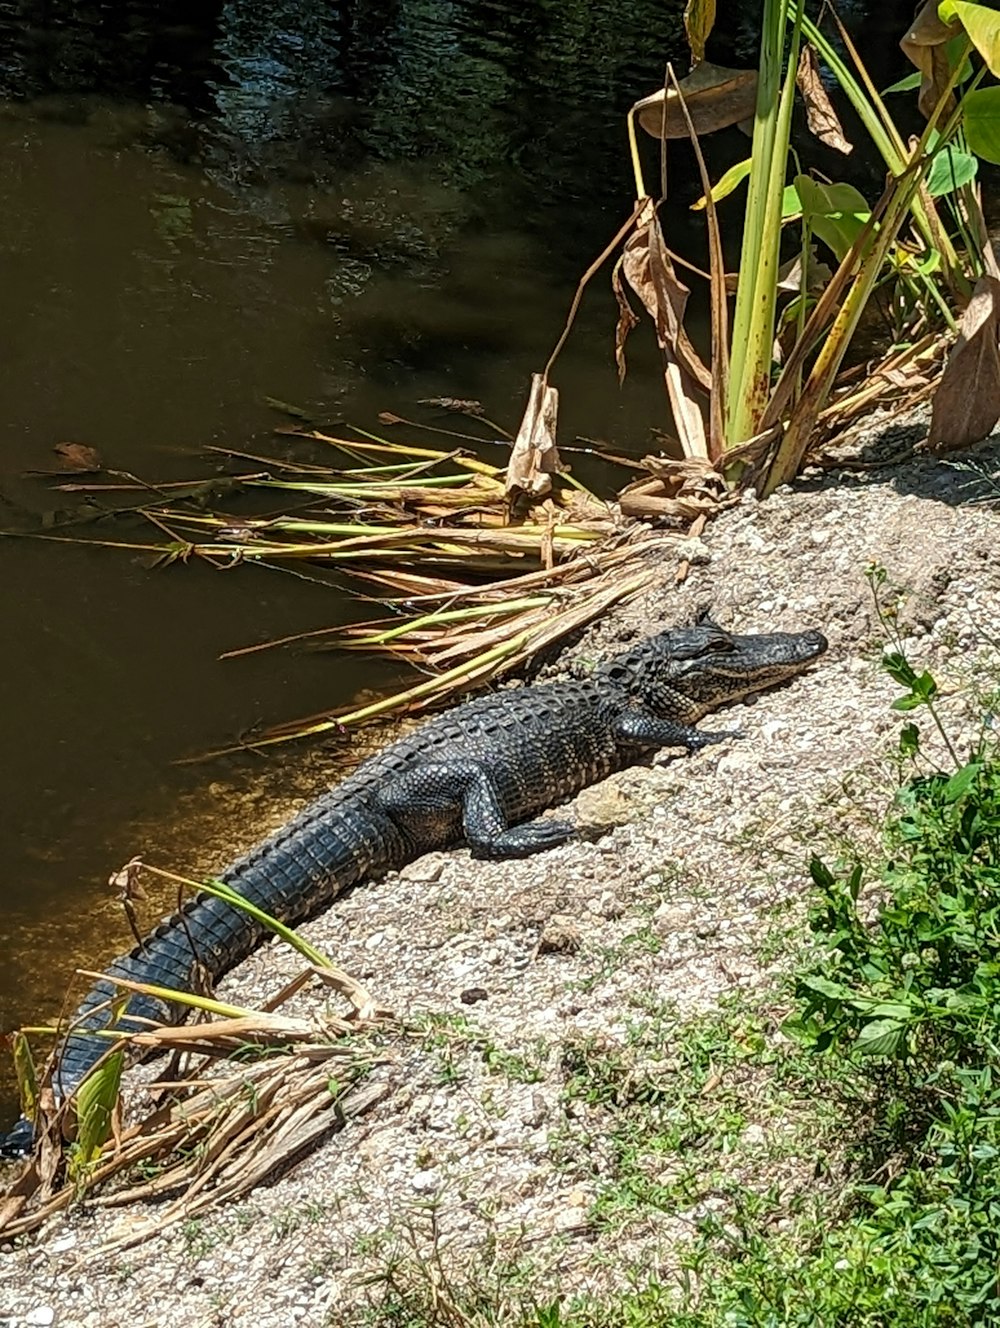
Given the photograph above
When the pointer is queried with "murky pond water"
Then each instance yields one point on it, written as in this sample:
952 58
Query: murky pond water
347 207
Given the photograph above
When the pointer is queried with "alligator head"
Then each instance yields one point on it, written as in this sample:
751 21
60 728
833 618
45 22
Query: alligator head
685 672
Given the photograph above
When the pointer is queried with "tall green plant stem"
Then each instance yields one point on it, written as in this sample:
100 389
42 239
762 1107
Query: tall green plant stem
888 216
756 297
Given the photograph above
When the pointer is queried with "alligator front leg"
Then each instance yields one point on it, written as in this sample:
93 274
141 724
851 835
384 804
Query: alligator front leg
639 728
464 791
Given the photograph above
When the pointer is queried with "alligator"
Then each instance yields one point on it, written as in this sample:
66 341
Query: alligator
479 774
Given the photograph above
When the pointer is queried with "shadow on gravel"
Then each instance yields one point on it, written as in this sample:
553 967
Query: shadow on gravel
960 479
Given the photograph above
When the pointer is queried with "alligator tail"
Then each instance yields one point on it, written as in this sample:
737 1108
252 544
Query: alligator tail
292 875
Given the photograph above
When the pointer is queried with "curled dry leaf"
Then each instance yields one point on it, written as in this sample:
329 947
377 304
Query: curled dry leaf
817 274
364 1003
79 457
681 490
967 402
627 319
648 269
534 458
715 98
820 115
924 44
126 880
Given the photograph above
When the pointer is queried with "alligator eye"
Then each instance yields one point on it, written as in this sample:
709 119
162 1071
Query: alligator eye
720 644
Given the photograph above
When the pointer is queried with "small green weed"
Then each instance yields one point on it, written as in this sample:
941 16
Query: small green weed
452 1036
655 1119
421 1281
611 957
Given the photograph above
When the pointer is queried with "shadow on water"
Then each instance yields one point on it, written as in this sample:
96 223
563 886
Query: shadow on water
347 207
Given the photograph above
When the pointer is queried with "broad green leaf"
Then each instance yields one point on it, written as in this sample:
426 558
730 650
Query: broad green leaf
890 1010
957 50
725 185
982 26
881 1037
801 1028
791 204
925 686
908 702
950 170
961 782
835 991
981 114
908 84
899 667
836 213
95 1101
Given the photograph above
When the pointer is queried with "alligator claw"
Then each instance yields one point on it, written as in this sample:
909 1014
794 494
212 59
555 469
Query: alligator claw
718 735
521 841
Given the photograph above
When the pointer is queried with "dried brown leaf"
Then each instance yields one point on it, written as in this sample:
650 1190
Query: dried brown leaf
817 274
820 115
924 45
650 507
534 458
967 402
627 319
359 996
126 880
79 457
715 98
649 271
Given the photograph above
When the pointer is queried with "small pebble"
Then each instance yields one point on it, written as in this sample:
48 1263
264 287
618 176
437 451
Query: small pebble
425 1182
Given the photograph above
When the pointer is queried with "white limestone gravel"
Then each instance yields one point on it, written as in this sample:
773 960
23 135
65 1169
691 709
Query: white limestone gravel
670 898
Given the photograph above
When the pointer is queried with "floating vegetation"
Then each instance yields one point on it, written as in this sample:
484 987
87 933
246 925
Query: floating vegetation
479 566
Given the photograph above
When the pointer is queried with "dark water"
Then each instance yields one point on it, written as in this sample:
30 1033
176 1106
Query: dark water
347 207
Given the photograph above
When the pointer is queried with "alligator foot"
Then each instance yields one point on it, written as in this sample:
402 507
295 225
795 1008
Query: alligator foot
719 735
640 728
20 1141
521 841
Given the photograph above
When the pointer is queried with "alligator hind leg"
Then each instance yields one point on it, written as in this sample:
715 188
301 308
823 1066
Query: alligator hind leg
464 792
